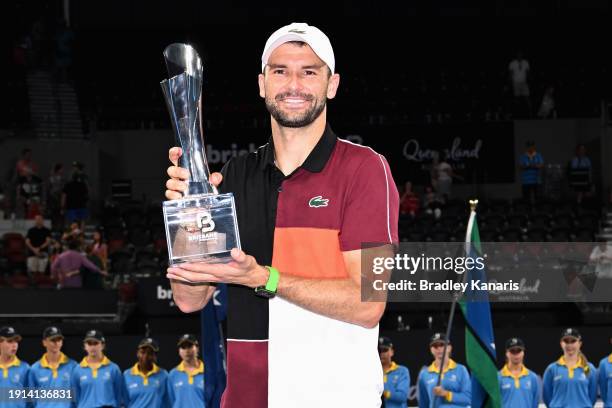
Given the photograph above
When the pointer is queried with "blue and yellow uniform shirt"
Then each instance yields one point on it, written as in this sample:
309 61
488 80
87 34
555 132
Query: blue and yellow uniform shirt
520 391
97 387
397 384
455 379
47 376
14 375
605 380
146 390
184 389
566 387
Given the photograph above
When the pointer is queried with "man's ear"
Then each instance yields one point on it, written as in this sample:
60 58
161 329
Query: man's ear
332 86
261 78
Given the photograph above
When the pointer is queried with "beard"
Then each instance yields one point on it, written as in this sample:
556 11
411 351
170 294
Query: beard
296 120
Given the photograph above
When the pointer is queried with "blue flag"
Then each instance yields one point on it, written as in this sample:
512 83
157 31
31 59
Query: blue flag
213 349
479 339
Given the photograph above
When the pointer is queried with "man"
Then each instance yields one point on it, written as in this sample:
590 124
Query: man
13 372
66 267
54 370
75 197
519 70
25 165
397 377
531 164
520 387
306 201
186 381
38 239
29 195
145 382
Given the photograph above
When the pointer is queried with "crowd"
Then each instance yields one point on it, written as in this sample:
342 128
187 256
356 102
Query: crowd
98 382
570 381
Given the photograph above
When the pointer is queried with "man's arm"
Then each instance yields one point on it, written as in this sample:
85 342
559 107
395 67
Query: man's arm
30 246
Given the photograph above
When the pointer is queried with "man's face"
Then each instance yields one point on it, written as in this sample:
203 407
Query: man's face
53 344
385 354
515 355
188 351
8 347
296 85
571 345
94 348
39 221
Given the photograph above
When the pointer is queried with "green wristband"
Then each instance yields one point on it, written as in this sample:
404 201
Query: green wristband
272 283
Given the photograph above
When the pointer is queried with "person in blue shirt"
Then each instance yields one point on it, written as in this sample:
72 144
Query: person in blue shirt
97 381
605 380
186 381
571 381
53 370
13 372
531 163
396 377
456 387
145 382
520 387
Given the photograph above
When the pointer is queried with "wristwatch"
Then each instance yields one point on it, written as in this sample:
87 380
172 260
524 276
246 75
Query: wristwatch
269 290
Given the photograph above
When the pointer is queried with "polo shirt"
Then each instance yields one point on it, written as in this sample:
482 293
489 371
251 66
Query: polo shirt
185 389
14 375
343 195
521 391
145 390
100 387
44 375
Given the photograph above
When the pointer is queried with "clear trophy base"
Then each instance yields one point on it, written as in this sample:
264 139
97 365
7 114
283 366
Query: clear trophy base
201 228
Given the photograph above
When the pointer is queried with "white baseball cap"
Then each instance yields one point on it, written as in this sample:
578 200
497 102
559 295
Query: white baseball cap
311 35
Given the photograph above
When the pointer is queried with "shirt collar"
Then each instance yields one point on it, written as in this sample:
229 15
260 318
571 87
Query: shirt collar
316 160
45 363
105 361
581 363
610 358
451 365
199 370
505 372
15 363
136 371
392 368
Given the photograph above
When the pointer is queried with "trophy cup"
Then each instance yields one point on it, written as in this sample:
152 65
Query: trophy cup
201 226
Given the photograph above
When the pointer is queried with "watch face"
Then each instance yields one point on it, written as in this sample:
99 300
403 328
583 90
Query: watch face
263 292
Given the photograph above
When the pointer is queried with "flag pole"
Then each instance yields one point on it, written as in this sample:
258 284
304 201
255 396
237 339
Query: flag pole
456 296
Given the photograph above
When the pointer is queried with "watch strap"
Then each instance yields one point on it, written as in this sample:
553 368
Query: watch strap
273 278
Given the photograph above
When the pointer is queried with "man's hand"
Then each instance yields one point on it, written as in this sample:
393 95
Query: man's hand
440 392
178 183
242 270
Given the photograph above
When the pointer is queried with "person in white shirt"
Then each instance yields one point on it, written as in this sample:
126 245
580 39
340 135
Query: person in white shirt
601 256
519 75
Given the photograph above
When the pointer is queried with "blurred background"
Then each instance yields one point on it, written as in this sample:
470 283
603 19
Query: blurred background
453 93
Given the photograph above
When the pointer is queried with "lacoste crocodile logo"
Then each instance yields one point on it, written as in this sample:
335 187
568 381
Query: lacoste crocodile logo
318 201
297 31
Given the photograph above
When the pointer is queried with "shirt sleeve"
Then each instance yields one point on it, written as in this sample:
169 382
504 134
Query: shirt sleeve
601 375
170 390
399 392
371 207
535 391
422 391
89 265
548 385
464 396
593 384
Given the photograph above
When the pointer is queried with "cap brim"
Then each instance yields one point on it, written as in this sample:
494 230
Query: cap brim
152 347
514 347
571 336
193 343
13 337
93 338
55 336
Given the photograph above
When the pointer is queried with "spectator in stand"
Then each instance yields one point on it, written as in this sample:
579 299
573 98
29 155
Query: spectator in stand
442 178
29 195
13 372
92 280
409 203
431 202
75 197
519 70
531 163
66 267
74 233
55 186
25 166
396 377
547 107
580 173
601 259
186 381
100 249
38 240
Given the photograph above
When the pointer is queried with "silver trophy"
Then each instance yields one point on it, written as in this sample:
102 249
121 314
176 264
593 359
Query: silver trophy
201 226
